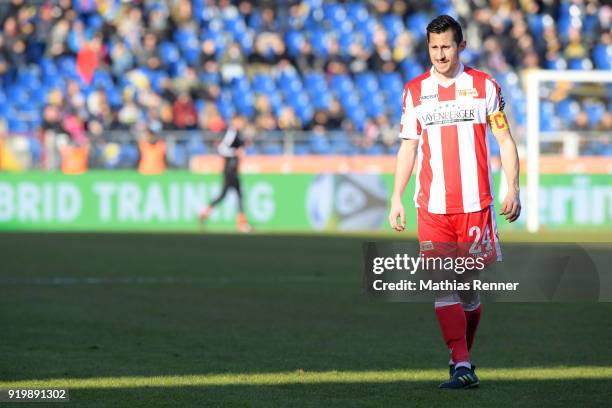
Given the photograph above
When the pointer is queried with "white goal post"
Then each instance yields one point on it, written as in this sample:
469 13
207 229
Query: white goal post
534 78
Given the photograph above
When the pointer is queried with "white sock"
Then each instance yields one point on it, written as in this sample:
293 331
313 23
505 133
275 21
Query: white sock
451 362
465 364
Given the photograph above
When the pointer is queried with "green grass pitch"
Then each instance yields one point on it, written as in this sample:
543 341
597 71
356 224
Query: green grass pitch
266 321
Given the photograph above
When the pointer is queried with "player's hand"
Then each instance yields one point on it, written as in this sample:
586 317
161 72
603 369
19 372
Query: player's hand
511 207
397 211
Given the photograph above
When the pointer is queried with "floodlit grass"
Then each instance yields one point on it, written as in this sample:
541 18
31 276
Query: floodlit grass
302 377
270 321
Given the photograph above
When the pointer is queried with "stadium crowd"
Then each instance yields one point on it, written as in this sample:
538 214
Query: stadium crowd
85 67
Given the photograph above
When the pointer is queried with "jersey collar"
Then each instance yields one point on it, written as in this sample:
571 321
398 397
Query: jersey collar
449 82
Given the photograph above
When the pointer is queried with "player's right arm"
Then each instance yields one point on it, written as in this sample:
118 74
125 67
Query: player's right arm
410 132
403 170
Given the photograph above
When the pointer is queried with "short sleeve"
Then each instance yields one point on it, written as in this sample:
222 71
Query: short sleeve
410 128
495 100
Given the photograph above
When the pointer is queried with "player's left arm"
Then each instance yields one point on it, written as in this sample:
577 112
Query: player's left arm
511 206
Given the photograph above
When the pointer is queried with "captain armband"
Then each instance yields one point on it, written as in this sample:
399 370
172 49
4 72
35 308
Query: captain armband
498 122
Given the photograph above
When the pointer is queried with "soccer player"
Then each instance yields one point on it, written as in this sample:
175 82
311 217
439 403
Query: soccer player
230 149
443 128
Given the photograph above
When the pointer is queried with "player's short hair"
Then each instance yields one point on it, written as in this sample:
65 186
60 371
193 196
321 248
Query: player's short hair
444 23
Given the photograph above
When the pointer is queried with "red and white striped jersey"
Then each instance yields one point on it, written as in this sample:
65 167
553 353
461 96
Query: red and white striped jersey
449 120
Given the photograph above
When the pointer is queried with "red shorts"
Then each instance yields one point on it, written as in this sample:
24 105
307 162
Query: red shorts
465 234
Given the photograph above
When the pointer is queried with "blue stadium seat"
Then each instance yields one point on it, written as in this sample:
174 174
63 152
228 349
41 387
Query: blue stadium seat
276 102
67 66
357 12
318 39
411 69
417 23
315 81
225 106
114 97
294 40
580 64
556 63
321 100
393 25
366 82
244 101
567 110
536 24
168 53
263 83
102 79
304 113
39 96
334 12
602 56
595 112
374 103
18 95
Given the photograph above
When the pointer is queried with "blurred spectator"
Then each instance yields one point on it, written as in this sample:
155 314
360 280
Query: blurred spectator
307 62
184 112
335 64
581 121
287 120
152 153
122 59
14 43
335 115
147 55
232 63
135 57
211 120
166 116
52 120
605 124
57 45
88 59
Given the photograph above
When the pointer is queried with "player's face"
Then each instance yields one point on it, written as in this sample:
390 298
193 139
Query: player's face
444 52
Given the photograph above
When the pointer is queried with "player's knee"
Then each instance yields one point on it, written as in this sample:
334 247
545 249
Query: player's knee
470 302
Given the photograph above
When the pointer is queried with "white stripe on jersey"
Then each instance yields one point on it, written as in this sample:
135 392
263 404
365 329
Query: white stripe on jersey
437 192
469 168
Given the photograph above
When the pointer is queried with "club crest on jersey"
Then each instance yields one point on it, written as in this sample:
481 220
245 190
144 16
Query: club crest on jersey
467 92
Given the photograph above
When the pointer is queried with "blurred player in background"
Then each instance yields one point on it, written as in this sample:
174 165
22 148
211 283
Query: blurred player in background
231 149
443 126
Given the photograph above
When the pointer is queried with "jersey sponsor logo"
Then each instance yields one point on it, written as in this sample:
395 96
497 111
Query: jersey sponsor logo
467 92
426 97
445 114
